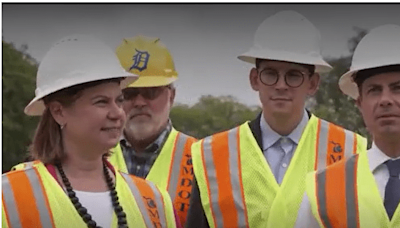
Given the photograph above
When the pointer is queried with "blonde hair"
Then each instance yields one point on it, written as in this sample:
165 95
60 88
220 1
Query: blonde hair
47 144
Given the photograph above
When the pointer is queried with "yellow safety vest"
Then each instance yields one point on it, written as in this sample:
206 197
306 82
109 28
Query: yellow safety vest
237 186
25 165
31 197
172 170
345 195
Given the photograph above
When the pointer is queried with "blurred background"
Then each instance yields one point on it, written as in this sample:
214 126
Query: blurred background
213 90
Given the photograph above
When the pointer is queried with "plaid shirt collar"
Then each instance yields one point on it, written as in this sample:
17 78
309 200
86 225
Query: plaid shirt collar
154 146
146 159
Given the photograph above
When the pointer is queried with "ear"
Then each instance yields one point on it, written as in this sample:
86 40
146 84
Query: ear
358 103
253 76
314 84
58 112
172 98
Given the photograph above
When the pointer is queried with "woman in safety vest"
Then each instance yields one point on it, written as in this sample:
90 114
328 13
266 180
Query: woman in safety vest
71 184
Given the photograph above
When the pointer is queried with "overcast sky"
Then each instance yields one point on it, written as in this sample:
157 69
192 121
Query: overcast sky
204 39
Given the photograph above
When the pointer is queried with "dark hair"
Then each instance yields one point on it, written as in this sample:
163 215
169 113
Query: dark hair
47 142
362 75
310 68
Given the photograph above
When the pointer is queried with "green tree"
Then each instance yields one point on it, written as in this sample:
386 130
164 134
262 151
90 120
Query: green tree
331 103
208 116
19 71
211 115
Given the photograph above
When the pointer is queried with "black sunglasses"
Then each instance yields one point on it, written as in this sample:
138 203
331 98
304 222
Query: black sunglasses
149 93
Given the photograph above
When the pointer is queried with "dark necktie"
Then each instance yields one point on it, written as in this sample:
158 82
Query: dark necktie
392 191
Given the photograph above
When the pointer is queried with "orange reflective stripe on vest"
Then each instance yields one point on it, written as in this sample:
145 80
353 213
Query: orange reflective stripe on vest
24 199
224 180
337 195
222 168
181 175
329 148
148 199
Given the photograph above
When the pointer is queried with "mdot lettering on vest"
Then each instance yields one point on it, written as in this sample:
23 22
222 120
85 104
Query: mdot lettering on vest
186 183
153 212
337 154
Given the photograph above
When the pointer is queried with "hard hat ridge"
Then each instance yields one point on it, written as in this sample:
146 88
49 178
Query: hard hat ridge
150 59
287 36
379 48
74 60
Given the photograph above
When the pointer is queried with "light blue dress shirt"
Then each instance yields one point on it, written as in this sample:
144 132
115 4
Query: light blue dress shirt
278 149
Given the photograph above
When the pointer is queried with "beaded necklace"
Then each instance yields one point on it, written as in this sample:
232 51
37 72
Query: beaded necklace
122 223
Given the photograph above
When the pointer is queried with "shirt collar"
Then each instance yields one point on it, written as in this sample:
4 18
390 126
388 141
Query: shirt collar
269 136
376 157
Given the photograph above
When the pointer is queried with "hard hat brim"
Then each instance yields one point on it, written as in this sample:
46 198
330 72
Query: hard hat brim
378 48
320 65
36 106
346 81
152 81
347 84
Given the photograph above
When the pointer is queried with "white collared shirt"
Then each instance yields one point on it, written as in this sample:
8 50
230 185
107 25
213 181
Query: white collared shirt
376 158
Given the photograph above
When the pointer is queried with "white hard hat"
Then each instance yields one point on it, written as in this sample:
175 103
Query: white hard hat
75 60
380 47
287 36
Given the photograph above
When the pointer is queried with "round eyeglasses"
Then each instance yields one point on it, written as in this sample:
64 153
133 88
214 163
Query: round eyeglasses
270 77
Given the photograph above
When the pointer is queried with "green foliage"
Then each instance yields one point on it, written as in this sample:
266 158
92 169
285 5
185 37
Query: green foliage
211 115
19 71
331 104
208 116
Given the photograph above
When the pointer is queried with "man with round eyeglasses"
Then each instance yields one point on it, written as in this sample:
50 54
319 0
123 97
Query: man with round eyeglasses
270 76
254 175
